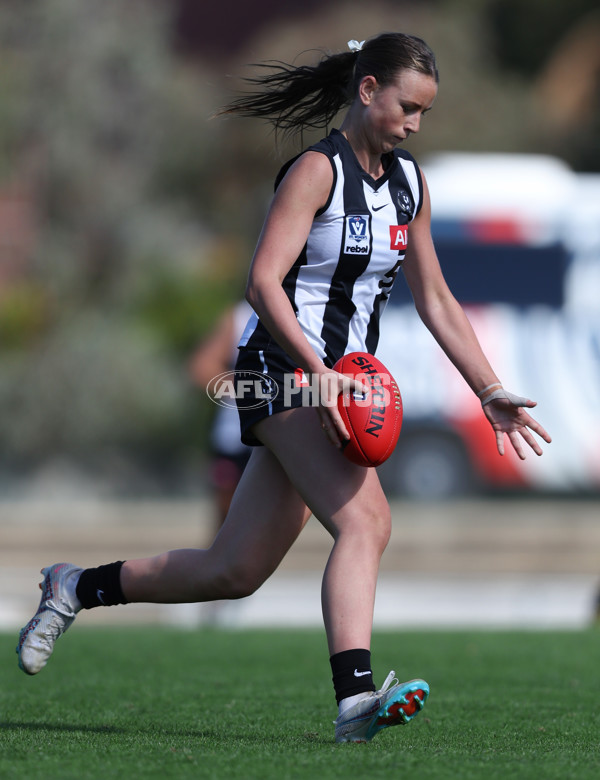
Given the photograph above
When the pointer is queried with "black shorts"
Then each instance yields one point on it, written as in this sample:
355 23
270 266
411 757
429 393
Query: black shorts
267 382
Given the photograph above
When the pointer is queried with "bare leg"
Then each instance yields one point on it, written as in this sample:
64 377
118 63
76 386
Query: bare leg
349 502
268 512
265 518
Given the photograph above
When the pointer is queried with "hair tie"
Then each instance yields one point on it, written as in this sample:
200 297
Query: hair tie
355 46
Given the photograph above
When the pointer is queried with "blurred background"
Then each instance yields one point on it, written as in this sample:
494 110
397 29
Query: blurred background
128 217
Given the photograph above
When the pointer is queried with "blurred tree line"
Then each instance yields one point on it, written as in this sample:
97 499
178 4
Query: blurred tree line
128 216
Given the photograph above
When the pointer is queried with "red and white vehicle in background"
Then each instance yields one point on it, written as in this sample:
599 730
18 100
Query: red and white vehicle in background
518 238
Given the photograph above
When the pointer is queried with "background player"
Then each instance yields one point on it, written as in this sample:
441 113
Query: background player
216 354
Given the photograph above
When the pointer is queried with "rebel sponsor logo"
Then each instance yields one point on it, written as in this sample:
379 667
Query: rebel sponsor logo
357 236
398 237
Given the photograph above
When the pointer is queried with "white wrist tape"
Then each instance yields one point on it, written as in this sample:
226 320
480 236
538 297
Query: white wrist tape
517 400
489 387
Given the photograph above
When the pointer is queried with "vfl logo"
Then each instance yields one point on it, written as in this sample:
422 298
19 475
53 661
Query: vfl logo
357 238
358 228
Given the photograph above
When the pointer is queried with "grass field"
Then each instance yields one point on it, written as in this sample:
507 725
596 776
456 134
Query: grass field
258 704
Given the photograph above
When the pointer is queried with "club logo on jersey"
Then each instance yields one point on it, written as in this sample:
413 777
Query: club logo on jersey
399 237
357 237
405 202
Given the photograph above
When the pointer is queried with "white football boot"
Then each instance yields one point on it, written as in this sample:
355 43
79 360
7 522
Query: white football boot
380 709
56 612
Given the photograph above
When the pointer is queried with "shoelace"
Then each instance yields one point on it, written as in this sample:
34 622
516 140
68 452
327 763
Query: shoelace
388 681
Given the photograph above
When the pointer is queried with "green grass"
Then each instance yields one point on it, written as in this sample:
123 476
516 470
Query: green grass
259 704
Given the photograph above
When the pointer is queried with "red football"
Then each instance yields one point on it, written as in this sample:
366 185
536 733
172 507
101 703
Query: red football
373 421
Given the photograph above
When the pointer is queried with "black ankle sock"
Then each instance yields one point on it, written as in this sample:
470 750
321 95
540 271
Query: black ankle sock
101 587
351 673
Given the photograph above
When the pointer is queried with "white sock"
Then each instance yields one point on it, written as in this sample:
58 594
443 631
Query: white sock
350 701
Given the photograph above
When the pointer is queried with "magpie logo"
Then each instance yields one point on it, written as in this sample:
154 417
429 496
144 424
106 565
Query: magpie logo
405 201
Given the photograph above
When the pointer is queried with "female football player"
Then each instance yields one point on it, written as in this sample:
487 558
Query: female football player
347 215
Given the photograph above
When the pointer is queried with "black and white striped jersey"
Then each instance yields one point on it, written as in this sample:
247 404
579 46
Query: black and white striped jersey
340 283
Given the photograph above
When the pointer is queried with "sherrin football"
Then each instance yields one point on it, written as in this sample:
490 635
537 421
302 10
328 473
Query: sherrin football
374 420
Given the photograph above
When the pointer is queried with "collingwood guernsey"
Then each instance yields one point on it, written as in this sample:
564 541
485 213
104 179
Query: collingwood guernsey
340 283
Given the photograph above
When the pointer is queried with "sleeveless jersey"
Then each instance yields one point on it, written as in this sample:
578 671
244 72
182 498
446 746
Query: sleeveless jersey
341 282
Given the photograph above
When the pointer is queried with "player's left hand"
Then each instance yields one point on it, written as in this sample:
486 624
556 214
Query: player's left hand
506 414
